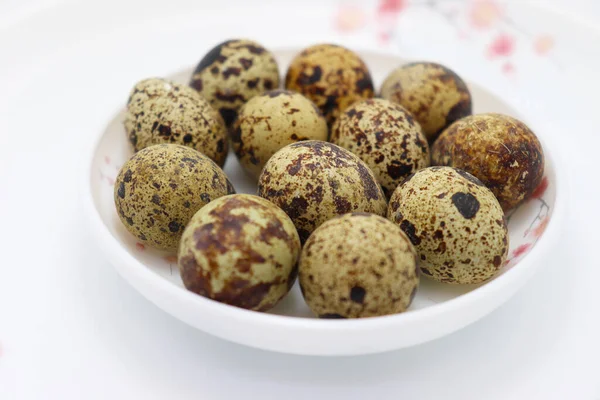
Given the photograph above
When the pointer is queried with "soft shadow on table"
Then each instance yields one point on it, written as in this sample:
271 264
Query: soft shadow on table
165 348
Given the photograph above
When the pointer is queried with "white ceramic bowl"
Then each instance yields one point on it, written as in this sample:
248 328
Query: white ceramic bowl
437 309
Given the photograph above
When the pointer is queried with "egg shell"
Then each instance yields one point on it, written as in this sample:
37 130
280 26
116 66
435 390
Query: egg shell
241 250
162 111
271 121
499 150
314 181
386 137
433 93
333 77
455 223
358 265
160 188
232 73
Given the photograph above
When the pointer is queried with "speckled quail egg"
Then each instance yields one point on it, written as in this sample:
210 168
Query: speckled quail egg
455 223
162 111
386 137
232 73
434 94
314 181
499 150
358 265
241 250
159 189
271 121
331 76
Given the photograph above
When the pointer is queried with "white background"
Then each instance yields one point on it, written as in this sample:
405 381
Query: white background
71 328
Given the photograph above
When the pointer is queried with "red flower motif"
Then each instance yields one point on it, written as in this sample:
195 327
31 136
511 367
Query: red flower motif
543 44
110 180
391 6
171 259
384 37
522 249
107 159
502 46
140 246
541 189
349 18
539 230
484 13
508 68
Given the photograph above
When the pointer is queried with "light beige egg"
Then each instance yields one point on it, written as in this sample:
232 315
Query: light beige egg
232 73
271 121
499 150
358 265
433 93
455 223
160 188
386 137
162 111
314 181
240 250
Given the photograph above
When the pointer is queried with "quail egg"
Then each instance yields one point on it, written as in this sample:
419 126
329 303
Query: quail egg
162 111
499 150
358 265
240 250
271 121
455 223
159 189
386 137
434 94
331 76
232 73
314 181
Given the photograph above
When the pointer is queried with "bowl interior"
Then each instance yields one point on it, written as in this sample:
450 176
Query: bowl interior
526 224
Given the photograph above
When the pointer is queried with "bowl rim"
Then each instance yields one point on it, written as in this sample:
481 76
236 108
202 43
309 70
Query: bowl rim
530 262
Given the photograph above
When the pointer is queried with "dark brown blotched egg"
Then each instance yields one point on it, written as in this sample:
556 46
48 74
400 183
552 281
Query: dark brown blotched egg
358 265
499 150
240 250
333 77
159 189
232 73
386 137
314 181
455 223
271 121
433 93
162 111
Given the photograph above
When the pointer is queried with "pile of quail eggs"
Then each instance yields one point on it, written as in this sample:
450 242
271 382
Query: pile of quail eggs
358 195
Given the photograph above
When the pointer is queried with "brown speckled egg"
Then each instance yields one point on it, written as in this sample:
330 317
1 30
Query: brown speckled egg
333 77
455 223
271 121
159 189
162 111
240 250
434 94
232 73
358 265
499 150
386 137
314 181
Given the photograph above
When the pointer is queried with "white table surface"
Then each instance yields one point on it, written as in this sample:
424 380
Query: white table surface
71 328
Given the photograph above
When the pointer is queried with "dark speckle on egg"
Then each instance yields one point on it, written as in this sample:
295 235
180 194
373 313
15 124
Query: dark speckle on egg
232 73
